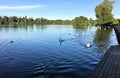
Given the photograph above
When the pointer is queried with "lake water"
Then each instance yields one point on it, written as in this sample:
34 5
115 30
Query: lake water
36 52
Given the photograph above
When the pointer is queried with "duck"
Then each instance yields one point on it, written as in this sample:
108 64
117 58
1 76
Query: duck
88 45
69 33
11 41
60 39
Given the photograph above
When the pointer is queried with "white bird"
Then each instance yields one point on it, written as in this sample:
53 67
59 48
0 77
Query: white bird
88 45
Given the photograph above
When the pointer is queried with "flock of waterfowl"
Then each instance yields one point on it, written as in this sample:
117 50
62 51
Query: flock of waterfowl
87 45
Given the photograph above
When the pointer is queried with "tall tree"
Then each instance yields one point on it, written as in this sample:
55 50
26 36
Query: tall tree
5 20
104 13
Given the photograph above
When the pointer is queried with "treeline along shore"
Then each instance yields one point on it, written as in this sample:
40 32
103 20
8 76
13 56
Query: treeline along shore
77 21
14 20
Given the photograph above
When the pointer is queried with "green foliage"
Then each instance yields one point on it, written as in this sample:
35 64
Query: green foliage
102 35
118 20
92 22
13 20
80 21
41 21
115 22
29 21
104 13
0 20
5 20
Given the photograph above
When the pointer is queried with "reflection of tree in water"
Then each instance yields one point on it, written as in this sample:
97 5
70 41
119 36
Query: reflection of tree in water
81 27
102 36
101 40
80 30
41 27
17 27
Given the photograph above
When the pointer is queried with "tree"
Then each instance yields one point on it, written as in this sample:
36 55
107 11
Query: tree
104 13
24 20
30 21
80 21
118 21
13 20
0 20
5 20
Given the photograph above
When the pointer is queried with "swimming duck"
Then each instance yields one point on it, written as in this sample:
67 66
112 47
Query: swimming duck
11 41
60 39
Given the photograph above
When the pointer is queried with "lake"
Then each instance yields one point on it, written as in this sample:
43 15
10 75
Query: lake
37 52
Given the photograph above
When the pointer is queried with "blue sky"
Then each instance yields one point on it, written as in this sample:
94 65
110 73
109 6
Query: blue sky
53 9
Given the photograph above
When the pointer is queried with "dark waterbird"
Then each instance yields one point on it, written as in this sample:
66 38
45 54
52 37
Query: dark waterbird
11 41
69 33
61 40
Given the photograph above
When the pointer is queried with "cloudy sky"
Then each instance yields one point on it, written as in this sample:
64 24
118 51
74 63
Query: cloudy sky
53 9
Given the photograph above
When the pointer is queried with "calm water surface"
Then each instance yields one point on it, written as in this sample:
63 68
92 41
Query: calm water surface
35 51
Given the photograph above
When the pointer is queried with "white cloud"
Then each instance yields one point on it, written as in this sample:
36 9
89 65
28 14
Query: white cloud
3 7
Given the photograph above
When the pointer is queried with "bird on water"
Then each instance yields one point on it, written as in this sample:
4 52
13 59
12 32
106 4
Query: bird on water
60 39
11 41
88 45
